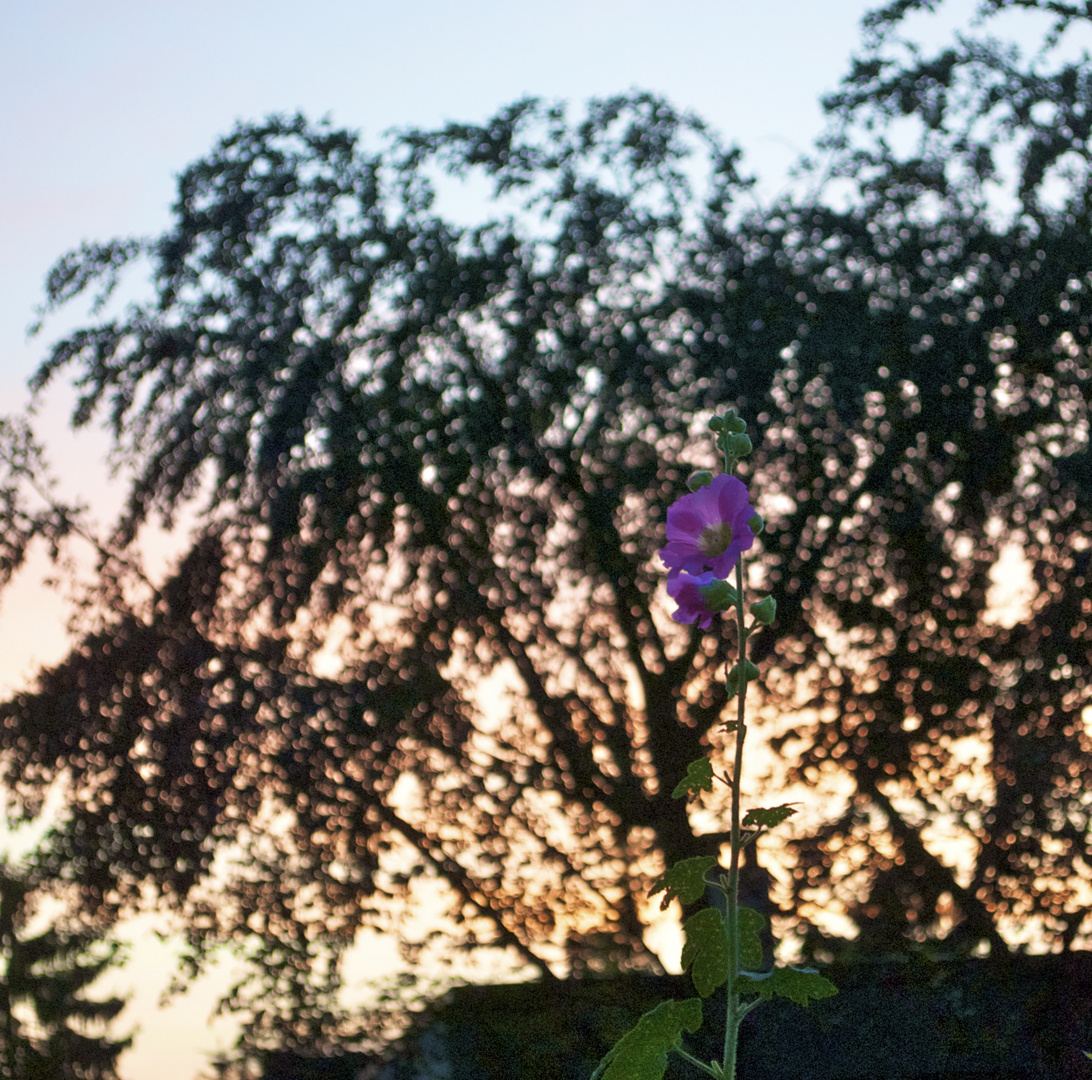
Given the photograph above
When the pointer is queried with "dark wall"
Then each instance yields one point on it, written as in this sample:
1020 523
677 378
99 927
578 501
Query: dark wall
1010 1018
285 1065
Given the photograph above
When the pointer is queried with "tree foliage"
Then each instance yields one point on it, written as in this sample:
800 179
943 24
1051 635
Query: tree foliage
995 121
46 1020
447 450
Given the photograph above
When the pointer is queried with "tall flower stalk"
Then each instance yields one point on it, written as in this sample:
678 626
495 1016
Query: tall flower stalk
708 531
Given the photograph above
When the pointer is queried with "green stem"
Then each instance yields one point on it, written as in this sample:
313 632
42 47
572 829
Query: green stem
735 1013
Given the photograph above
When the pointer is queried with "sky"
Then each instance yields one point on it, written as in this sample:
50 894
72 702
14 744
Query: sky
103 104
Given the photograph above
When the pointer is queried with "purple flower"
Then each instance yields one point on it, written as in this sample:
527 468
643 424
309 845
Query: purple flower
685 590
708 529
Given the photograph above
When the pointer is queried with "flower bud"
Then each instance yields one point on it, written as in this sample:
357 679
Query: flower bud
718 595
699 479
764 610
736 445
757 524
730 423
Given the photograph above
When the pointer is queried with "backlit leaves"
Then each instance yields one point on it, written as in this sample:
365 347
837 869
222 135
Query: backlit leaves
641 1054
802 985
708 944
705 950
751 925
685 880
767 818
699 778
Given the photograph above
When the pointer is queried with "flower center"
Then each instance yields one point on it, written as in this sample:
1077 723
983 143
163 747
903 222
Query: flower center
716 539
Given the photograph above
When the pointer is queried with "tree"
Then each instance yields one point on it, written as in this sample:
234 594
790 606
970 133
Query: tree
988 127
44 1013
451 448
997 176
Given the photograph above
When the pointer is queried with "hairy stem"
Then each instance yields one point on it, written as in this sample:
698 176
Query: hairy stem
697 1062
735 1014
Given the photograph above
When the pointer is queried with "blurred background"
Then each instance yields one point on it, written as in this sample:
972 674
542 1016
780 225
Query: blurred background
335 655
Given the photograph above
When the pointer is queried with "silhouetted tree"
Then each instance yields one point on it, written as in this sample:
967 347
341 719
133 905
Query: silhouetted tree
447 449
46 1019
989 122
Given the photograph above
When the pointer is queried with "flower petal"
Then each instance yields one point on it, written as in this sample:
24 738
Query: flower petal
690 518
685 590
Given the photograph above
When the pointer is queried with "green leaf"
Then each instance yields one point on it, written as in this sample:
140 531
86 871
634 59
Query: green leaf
686 880
767 819
743 672
699 777
764 611
641 1054
801 985
706 948
751 924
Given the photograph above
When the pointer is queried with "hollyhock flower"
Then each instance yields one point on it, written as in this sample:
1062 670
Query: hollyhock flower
708 529
686 591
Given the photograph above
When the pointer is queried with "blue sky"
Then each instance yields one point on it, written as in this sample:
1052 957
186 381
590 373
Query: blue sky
102 104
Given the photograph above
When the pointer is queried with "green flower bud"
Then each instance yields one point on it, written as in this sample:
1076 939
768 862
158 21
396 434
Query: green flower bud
730 423
699 479
758 525
764 610
719 595
736 445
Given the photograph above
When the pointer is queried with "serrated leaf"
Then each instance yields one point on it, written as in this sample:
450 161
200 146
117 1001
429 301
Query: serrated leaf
751 925
705 951
641 1054
699 777
686 880
801 985
767 819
